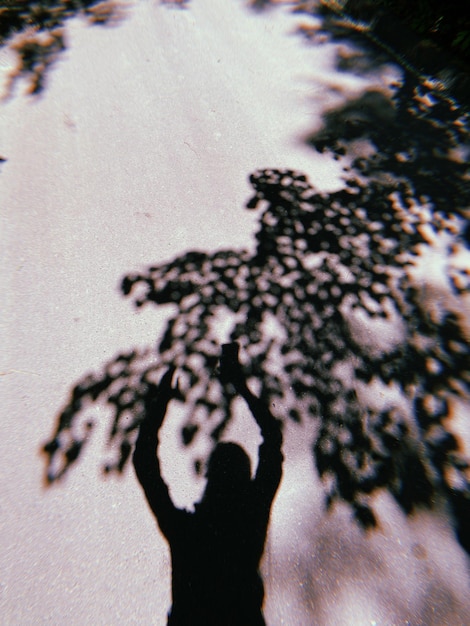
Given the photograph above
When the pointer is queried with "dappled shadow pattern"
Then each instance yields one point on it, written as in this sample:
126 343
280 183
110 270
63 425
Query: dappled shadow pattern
333 308
417 139
35 32
336 311
415 147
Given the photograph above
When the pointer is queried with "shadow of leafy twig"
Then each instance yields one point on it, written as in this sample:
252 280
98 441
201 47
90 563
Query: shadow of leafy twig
35 32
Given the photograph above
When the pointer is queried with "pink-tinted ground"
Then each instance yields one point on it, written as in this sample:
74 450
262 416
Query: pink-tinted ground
138 150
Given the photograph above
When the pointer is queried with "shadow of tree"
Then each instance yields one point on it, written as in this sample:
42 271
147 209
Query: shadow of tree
415 148
35 32
341 309
327 307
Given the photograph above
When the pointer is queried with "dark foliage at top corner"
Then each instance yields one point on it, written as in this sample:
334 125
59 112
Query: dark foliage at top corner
446 23
35 31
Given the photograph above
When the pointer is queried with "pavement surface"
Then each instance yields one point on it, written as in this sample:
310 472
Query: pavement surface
139 149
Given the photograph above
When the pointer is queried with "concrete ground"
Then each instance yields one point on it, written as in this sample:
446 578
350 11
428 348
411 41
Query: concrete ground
139 149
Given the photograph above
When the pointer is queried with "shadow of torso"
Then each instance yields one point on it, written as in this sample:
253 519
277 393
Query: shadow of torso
216 552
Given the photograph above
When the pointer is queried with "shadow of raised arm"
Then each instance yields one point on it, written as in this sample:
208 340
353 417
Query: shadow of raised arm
145 458
270 456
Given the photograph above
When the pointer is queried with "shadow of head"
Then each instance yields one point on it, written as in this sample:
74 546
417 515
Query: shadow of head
228 472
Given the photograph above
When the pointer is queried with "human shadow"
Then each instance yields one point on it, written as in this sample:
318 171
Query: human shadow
216 550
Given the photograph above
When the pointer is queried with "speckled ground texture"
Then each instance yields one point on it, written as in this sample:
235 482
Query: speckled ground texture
138 150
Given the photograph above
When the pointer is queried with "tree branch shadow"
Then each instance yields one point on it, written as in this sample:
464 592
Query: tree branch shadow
335 302
36 33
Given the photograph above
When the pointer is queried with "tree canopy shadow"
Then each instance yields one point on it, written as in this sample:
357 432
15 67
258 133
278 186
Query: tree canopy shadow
340 308
329 307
